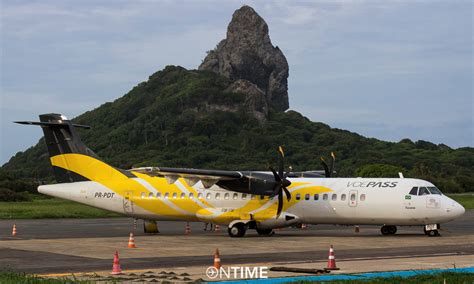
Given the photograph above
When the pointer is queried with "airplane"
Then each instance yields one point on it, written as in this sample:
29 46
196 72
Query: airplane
240 200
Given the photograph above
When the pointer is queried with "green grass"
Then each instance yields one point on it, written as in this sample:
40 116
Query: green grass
450 277
465 199
50 208
13 277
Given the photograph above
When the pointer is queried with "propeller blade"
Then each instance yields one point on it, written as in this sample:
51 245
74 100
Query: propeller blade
277 177
331 167
288 194
280 149
326 169
281 164
280 204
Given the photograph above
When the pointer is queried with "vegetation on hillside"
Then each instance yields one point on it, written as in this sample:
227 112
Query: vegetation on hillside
181 118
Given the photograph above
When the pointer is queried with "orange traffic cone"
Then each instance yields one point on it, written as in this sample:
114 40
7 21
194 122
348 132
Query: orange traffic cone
187 229
331 260
116 267
131 241
217 259
217 229
14 230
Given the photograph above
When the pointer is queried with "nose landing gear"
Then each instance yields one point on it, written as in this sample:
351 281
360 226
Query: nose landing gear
431 230
388 230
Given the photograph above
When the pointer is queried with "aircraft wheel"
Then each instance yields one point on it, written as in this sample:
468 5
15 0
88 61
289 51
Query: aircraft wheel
433 233
265 232
388 230
237 230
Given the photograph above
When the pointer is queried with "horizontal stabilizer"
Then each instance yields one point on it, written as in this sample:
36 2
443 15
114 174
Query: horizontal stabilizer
52 124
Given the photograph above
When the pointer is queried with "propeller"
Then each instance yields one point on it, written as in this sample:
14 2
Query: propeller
281 181
328 171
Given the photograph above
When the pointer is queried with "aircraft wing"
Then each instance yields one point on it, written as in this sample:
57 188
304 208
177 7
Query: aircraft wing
191 176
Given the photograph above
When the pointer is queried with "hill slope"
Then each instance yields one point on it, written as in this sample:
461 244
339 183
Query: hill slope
186 118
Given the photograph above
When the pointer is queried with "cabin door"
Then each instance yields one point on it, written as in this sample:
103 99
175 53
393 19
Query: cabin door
353 196
128 202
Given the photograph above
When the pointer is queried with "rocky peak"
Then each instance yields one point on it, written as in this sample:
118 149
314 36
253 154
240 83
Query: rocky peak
247 53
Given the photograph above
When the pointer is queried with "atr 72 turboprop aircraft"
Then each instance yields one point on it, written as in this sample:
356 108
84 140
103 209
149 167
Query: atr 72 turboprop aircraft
240 200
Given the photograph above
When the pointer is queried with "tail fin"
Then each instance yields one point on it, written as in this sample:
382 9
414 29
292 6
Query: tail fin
61 138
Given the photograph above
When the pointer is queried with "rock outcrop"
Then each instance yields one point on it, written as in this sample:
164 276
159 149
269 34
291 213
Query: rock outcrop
248 54
255 101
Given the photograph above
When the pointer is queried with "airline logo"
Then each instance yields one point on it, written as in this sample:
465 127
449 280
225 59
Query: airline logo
372 184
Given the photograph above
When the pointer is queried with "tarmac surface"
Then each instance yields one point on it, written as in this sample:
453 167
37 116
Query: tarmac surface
87 245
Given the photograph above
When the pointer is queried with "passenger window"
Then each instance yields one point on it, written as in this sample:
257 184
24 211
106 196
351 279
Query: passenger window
226 196
353 197
218 196
316 196
175 195
306 197
200 195
298 196
343 197
191 195
150 195
414 190
183 195
167 195
325 196
362 197
143 195
244 196
334 197
423 191
235 196
208 196
158 195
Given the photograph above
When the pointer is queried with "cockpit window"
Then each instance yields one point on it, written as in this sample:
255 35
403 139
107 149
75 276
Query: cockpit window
423 191
434 190
414 190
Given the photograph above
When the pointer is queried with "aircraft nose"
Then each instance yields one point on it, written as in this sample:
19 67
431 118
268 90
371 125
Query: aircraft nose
454 209
459 210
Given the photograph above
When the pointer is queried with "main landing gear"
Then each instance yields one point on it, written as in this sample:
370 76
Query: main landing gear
265 232
388 230
237 230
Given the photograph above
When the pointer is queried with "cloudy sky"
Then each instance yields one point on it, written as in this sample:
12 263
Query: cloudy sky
385 69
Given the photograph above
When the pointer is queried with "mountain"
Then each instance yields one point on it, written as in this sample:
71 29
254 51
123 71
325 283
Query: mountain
248 57
210 118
